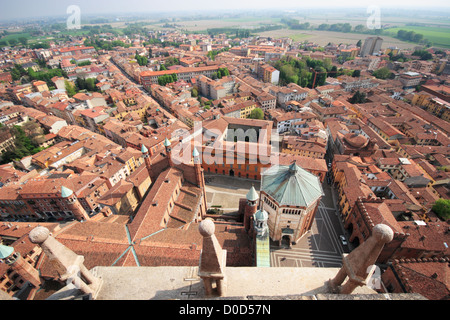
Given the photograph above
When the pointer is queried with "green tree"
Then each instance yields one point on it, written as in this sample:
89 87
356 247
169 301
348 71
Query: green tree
321 76
222 72
333 72
417 37
360 28
25 144
80 83
382 73
346 27
23 40
442 208
423 54
167 78
70 89
141 60
358 97
305 78
256 113
90 85
17 72
84 63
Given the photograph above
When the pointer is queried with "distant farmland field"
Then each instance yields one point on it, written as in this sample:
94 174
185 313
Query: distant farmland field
204 25
439 36
322 38
15 36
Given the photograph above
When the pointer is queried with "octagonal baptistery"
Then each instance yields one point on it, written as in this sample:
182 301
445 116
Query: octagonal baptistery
291 196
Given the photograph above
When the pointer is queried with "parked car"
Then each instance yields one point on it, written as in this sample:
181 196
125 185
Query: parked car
343 240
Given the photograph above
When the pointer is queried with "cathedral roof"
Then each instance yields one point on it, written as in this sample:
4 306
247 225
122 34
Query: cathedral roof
5 251
291 185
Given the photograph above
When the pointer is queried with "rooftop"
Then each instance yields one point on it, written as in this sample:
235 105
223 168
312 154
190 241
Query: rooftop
291 185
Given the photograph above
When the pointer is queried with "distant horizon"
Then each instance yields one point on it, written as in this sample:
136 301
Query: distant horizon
31 10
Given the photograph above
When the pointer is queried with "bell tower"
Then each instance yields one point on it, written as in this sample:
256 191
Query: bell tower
20 265
147 159
168 146
74 204
250 208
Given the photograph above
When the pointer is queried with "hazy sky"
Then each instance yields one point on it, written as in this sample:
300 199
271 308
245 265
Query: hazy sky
35 8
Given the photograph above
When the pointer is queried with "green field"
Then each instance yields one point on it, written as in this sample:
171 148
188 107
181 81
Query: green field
14 37
439 36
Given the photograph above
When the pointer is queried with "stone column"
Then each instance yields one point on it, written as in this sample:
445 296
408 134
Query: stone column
200 180
212 260
71 264
356 265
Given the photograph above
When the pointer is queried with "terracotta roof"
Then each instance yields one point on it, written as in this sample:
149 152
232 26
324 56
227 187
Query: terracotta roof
429 277
356 140
179 70
116 193
156 202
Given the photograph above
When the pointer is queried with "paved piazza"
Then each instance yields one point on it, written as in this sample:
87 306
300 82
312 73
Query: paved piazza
226 191
320 247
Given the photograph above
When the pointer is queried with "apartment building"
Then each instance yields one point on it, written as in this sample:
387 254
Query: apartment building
74 51
267 101
268 74
350 83
410 79
371 46
291 92
147 78
44 197
216 89
59 154
299 146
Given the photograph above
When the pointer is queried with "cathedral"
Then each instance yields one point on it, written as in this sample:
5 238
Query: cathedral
287 204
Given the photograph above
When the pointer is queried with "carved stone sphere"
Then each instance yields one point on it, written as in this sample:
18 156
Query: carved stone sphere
207 228
383 233
39 235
